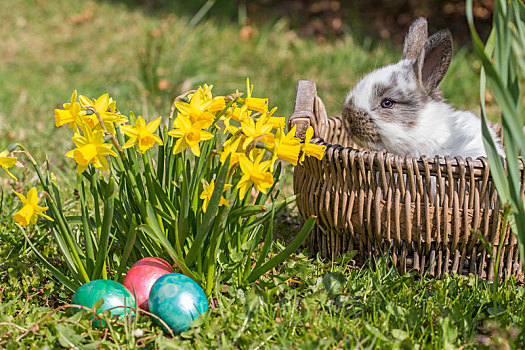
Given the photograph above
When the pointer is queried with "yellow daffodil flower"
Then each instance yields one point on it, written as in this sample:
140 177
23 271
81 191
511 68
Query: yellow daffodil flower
71 114
189 134
237 114
6 162
30 210
254 173
277 122
142 134
91 149
218 103
286 147
207 193
310 149
197 110
254 103
230 146
106 108
255 131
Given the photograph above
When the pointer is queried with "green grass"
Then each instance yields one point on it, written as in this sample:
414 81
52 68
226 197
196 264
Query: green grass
50 48
305 304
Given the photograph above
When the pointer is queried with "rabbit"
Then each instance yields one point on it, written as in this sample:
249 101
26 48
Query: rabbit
401 109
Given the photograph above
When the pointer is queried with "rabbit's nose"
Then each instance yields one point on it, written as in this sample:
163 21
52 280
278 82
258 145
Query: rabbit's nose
362 114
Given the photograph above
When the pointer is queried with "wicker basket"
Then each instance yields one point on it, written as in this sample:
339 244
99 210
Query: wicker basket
426 213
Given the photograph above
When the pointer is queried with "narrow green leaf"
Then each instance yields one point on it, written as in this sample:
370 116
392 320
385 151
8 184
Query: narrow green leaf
107 221
267 243
251 210
130 241
86 230
162 240
291 248
52 269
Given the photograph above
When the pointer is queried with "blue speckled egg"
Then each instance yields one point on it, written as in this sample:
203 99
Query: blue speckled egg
115 296
177 300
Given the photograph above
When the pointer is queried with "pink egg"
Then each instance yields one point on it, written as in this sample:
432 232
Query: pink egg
142 275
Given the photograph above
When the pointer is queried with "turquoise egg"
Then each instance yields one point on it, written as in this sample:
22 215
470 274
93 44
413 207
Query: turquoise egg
115 296
177 300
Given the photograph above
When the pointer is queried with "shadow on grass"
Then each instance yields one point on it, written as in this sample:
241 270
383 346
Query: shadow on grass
221 9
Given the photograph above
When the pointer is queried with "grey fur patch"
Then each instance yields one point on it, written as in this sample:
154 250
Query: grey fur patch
408 101
415 39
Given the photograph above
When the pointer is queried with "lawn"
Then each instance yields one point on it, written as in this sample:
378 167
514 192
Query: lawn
144 58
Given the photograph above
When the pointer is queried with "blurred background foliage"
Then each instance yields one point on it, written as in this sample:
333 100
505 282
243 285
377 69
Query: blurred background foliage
146 52
329 19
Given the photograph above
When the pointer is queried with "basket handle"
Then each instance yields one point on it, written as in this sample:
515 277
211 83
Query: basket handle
309 110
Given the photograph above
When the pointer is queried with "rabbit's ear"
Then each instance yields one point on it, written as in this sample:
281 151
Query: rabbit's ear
433 61
415 39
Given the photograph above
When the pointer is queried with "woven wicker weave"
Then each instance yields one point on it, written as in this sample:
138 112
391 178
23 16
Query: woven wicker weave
427 213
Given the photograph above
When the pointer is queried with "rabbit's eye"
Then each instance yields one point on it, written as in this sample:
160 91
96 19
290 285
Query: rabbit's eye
386 103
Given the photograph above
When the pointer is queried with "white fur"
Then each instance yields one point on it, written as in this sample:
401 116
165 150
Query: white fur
440 129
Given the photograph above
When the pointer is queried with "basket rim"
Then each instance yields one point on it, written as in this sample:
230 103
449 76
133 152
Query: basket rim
456 164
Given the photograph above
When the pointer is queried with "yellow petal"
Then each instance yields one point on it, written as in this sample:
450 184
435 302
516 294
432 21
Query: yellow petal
158 140
129 130
24 215
63 117
85 101
85 155
309 134
102 103
7 162
154 124
32 197
243 185
141 123
195 149
223 201
9 173
183 107
130 143
245 163
314 150
102 163
21 196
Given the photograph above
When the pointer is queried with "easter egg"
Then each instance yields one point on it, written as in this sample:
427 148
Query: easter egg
115 296
177 300
142 275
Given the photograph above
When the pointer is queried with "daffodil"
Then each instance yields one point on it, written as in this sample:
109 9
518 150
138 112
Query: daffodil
197 110
106 109
237 114
71 114
311 149
234 112
189 134
255 104
91 149
142 134
254 173
30 209
207 193
277 122
6 162
218 103
255 131
229 146
286 147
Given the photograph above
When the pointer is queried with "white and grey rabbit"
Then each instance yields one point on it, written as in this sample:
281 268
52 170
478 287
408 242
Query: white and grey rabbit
400 107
